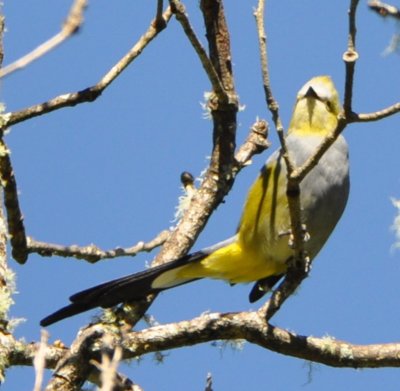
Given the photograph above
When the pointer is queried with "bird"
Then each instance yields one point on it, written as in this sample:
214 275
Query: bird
259 252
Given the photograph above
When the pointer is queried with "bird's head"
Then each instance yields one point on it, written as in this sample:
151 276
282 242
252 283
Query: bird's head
317 107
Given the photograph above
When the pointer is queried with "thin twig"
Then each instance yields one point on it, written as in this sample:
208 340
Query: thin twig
273 105
159 12
70 26
295 275
40 360
350 57
209 382
219 46
75 367
92 253
159 21
15 220
16 228
180 13
377 115
384 9
91 93
108 365
256 142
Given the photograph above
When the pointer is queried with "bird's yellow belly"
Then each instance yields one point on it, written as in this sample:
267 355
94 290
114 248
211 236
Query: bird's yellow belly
234 264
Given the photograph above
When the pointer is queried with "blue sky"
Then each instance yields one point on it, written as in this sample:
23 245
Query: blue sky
108 173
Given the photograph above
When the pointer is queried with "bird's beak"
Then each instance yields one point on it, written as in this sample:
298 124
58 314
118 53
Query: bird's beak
311 93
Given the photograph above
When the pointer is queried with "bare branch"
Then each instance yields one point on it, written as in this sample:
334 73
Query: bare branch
70 26
159 21
40 360
273 105
384 9
108 366
75 367
15 221
377 115
251 327
1 39
256 142
121 382
297 272
19 353
180 13
89 94
7 181
7 287
350 57
209 383
92 253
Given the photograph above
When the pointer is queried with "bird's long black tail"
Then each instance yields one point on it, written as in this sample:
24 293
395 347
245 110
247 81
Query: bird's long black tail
129 288
137 286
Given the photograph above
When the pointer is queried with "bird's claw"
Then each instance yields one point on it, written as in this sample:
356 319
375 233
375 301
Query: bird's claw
304 235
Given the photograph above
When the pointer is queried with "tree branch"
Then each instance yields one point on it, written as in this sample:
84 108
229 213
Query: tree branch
350 57
251 327
256 142
180 13
15 220
89 94
105 374
14 215
92 253
377 115
75 367
384 9
272 104
70 27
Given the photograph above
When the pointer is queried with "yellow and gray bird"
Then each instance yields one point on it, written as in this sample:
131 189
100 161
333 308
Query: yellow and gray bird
259 252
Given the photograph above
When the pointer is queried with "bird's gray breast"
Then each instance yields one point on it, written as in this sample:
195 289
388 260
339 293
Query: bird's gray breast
324 191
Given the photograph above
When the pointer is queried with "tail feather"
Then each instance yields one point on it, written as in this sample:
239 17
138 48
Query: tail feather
65 312
132 287
263 286
129 288
124 289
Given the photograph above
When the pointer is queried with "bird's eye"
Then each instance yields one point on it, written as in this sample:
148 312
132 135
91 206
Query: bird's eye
329 106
